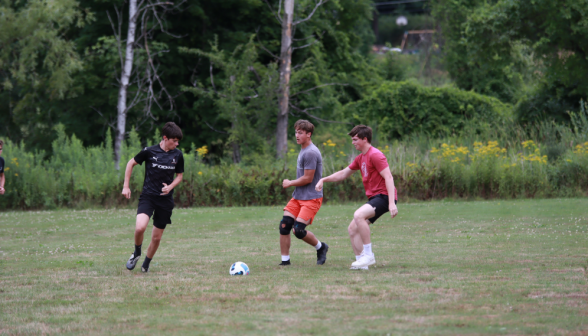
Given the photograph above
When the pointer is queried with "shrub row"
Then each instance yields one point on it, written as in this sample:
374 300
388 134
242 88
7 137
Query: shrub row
402 108
75 176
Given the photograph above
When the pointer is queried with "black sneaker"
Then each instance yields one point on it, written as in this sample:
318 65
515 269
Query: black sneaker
133 261
285 263
321 254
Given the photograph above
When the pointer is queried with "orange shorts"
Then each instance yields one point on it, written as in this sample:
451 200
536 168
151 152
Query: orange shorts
304 209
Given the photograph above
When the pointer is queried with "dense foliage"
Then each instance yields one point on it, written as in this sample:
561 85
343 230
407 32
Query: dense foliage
508 71
533 51
81 92
543 160
398 109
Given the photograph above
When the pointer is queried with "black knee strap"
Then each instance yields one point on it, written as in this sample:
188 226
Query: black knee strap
286 225
300 230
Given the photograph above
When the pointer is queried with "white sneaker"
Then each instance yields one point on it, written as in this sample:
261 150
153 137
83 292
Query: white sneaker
365 260
358 268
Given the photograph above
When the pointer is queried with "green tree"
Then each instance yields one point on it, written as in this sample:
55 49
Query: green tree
37 61
243 92
496 47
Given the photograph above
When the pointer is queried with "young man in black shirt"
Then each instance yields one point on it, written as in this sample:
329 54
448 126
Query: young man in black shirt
162 161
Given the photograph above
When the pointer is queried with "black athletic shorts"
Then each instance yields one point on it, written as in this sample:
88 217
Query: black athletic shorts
381 203
161 205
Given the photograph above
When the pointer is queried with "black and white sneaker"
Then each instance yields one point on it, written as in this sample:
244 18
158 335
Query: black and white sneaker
133 261
144 270
285 263
321 254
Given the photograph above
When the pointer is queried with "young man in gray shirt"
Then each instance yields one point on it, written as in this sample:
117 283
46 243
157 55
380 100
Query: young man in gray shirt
306 201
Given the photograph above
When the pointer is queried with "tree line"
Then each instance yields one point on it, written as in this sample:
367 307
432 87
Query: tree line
234 73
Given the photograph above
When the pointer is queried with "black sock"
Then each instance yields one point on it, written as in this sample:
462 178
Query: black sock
146 262
138 250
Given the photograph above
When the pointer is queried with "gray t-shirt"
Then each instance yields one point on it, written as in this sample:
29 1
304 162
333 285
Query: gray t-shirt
309 158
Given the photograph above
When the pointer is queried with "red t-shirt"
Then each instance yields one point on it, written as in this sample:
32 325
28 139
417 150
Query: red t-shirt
371 164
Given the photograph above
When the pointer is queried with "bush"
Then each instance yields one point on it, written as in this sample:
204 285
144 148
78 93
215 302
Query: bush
458 167
74 176
402 108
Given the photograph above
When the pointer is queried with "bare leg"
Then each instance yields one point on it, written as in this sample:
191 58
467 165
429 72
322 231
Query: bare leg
360 218
355 238
310 239
285 240
155 240
140 227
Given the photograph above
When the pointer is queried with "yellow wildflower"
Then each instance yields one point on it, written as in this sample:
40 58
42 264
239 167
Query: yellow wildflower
202 151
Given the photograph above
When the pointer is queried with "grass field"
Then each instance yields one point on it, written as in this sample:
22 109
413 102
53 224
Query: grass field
444 268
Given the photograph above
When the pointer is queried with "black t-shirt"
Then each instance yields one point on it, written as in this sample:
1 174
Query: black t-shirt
1 165
160 168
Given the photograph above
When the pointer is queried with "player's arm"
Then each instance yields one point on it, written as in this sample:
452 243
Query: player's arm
387 175
128 171
179 176
2 181
302 181
335 177
167 188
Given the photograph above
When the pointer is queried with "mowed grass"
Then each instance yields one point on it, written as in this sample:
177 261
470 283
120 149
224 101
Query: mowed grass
500 267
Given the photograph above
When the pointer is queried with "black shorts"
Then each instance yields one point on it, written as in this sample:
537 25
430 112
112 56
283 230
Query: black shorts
381 203
161 205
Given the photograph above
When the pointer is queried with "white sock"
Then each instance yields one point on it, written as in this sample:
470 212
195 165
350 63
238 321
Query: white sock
367 249
285 258
357 257
318 246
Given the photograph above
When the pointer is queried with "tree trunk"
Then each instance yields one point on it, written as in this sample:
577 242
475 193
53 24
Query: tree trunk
285 71
376 25
236 147
124 84
236 152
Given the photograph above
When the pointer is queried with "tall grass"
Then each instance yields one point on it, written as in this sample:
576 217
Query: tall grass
513 161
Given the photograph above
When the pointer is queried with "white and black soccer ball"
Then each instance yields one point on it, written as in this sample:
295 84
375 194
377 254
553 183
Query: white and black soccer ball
239 268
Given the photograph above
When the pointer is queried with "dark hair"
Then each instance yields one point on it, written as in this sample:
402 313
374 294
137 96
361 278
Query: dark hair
1 143
172 131
304 125
362 131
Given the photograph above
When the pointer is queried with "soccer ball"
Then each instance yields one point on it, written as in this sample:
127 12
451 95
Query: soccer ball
239 268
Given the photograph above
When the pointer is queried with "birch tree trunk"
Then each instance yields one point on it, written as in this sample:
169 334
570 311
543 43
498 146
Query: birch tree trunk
285 71
124 84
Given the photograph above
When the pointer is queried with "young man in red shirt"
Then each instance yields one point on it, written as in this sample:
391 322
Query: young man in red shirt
378 183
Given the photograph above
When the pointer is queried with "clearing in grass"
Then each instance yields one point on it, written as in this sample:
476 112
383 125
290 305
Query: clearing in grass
513 267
